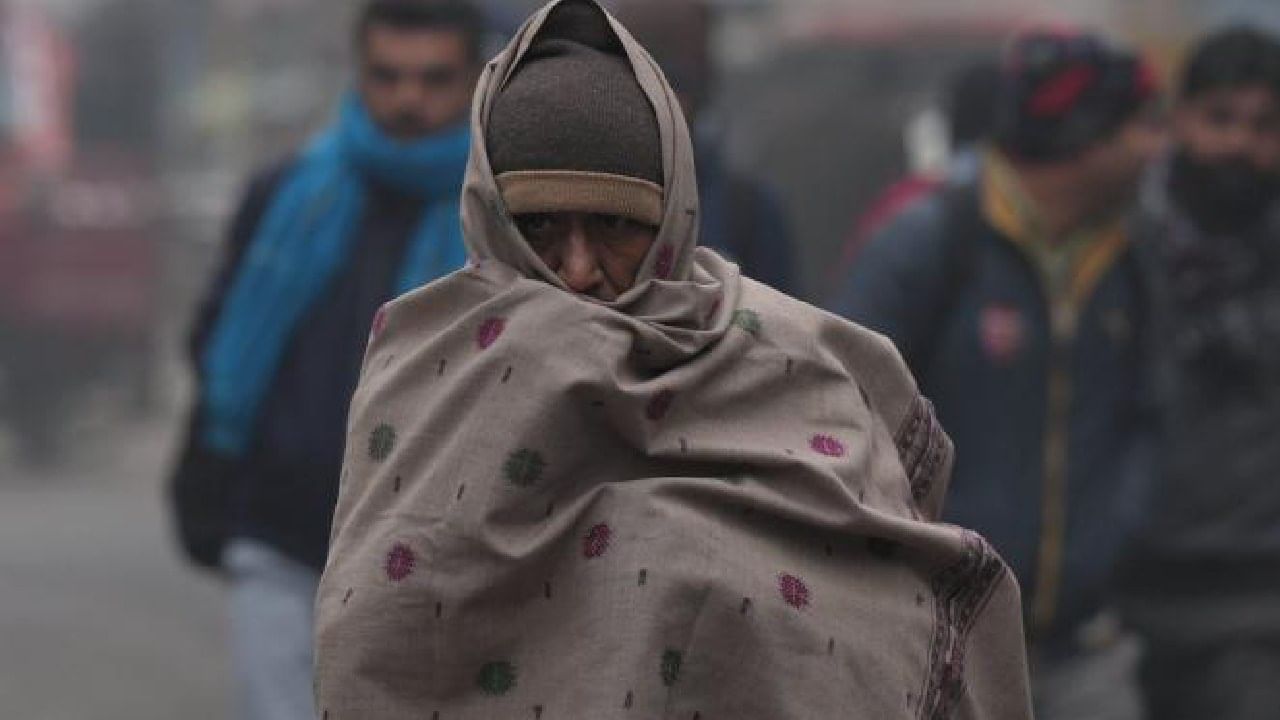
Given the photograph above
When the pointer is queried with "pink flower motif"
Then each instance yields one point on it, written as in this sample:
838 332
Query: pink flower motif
379 323
665 263
400 562
660 405
794 591
596 543
490 331
827 445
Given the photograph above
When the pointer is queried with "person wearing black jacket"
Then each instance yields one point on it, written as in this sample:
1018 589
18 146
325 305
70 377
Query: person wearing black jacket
364 212
1204 583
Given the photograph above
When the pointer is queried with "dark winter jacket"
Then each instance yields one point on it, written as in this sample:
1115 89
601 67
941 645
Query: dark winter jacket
1214 530
283 492
1035 371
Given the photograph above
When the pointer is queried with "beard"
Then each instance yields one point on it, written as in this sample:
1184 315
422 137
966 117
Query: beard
1222 196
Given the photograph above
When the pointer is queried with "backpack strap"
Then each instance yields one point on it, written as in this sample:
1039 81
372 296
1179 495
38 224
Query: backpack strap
959 226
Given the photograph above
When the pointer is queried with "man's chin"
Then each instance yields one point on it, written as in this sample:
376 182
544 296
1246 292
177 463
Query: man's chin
406 130
409 136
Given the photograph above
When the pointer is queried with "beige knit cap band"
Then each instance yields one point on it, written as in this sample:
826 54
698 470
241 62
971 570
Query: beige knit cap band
550 191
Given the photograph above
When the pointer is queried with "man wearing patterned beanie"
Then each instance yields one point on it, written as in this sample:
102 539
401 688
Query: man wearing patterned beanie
600 474
1015 298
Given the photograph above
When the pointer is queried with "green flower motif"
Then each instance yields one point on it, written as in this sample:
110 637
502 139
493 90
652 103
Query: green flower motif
381 442
524 468
671 662
497 678
749 321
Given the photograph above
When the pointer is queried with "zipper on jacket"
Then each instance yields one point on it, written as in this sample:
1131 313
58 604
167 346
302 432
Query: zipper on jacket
1053 501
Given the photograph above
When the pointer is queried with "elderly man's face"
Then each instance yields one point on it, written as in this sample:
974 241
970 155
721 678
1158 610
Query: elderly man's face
596 255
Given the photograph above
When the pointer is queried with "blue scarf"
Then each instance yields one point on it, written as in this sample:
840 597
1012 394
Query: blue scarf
302 241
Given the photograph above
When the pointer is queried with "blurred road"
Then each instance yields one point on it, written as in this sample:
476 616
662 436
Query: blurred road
99 619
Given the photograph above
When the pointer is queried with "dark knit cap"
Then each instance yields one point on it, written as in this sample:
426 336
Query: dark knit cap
1065 91
572 130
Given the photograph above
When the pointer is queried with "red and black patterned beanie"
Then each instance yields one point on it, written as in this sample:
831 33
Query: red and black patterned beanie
1066 90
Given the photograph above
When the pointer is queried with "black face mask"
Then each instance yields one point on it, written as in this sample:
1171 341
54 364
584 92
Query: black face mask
1222 196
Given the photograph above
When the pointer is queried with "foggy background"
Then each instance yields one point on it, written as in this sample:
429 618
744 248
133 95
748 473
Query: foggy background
126 130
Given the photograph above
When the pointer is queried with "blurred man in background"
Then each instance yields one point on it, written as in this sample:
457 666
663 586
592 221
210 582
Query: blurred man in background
1206 572
741 218
367 211
1015 298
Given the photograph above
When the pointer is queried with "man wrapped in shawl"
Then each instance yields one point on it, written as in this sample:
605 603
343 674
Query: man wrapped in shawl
599 474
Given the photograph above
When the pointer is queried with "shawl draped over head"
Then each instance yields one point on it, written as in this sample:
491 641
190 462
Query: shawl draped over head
704 500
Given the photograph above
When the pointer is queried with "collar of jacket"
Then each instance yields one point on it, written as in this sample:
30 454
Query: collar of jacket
1072 266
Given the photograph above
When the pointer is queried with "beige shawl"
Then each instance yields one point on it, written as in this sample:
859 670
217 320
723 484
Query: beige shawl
704 501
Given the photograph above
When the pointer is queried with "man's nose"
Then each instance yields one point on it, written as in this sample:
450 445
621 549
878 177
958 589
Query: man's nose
579 267
409 93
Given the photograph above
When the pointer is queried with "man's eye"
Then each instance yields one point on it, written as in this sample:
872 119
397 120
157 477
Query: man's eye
534 224
384 75
612 223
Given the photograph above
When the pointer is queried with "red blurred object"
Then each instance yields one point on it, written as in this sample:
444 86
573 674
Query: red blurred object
1060 94
78 257
79 260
